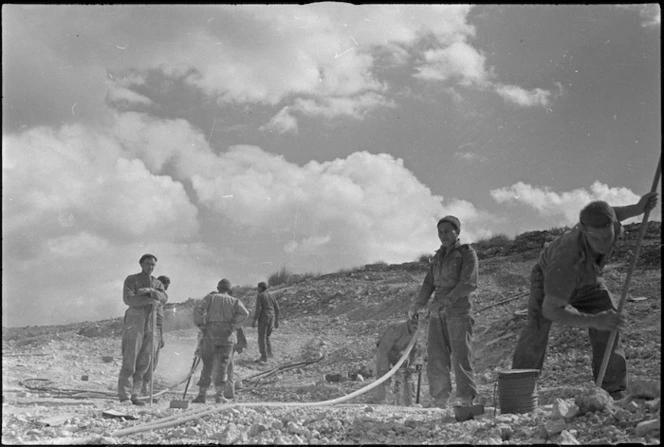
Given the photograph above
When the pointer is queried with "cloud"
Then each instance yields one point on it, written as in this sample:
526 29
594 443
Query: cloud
563 208
458 61
81 206
470 157
650 13
522 97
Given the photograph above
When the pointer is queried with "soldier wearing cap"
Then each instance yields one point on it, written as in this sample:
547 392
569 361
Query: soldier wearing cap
218 315
452 276
266 316
143 293
566 286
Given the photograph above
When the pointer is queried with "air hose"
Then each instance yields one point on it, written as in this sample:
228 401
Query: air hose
196 414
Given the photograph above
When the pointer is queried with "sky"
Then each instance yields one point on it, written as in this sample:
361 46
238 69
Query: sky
232 141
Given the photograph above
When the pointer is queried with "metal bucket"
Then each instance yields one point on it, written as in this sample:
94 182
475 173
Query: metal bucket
517 390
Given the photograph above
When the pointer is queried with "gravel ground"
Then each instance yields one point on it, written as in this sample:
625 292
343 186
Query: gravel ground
337 319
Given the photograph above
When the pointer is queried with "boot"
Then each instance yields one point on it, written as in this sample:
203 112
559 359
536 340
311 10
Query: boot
135 401
200 399
220 399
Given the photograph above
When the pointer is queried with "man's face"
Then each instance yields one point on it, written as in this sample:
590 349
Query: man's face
600 239
166 284
148 265
447 234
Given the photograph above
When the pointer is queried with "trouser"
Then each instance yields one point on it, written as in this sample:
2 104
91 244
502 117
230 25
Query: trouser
216 358
449 346
136 355
147 378
265 326
531 345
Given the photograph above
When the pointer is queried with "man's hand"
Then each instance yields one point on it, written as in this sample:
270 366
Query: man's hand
144 290
648 201
276 325
253 324
609 320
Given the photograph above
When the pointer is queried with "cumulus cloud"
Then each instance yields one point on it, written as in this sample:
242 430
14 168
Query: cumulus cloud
458 61
80 207
563 208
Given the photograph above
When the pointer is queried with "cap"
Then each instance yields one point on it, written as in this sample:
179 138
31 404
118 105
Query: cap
146 256
453 220
262 285
597 214
224 284
164 279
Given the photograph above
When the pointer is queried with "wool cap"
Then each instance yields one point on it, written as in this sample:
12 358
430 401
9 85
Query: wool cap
262 285
224 284
453 220
597 214
147 256
164 279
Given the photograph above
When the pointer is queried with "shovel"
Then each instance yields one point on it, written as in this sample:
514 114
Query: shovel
184 402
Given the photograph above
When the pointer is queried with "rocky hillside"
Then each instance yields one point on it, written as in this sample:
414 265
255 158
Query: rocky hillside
329 329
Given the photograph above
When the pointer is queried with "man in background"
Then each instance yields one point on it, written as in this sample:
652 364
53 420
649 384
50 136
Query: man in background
143 293
266 315
390 348
218 315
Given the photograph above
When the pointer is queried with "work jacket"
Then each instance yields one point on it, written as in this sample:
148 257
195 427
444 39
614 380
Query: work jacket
569 266
266 306
452 275
140 308
219 315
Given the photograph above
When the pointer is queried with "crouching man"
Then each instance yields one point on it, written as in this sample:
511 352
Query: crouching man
218 316
391 346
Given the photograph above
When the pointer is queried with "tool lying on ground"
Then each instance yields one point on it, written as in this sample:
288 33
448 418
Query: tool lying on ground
612 337
264 374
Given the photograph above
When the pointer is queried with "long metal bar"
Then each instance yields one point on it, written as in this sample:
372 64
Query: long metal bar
614 333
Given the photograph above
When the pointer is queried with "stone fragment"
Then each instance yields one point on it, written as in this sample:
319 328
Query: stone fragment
568 438
621 415
594 399
277 425
643 428
564 409
230 435
554 426
494 441
632 406
653 405
647 389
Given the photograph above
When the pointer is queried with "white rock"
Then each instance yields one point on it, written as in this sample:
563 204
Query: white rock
653 405
642 428
564 409
568 438
494 441
648 389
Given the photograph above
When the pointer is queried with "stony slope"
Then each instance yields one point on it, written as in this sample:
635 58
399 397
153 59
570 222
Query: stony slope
339 317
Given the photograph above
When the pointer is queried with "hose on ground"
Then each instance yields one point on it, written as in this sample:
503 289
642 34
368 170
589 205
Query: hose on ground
195 414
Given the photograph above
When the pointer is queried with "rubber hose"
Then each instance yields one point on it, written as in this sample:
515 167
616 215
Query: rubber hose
185 417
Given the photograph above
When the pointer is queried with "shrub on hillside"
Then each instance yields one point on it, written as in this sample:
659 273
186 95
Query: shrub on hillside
424 257
282 276
499 240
